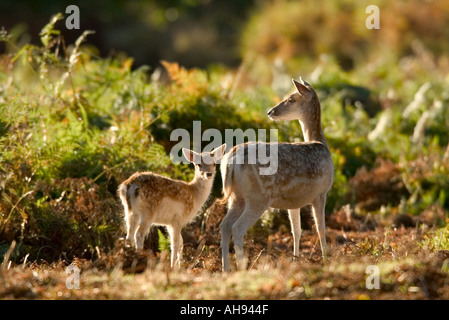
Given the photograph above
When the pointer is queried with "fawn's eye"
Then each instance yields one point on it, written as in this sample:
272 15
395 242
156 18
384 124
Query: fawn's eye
291 100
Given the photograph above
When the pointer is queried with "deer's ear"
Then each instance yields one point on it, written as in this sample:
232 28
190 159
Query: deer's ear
191 156
305 83
303 88
218 153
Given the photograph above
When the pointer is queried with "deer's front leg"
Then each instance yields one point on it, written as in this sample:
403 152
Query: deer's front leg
176 245
295 221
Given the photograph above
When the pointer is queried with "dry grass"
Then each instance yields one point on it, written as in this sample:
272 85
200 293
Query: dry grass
407 271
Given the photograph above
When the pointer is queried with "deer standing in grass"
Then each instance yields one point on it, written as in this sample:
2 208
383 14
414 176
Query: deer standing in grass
150 199
304 176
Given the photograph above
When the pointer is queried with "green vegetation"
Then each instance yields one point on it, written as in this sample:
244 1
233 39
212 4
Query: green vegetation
438 239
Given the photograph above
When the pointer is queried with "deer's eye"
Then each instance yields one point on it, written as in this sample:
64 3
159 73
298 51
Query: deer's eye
291 100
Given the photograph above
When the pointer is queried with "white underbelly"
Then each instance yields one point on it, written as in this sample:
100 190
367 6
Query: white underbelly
168 210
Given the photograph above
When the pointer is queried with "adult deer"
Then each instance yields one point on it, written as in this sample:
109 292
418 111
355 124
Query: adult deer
304 176
150 199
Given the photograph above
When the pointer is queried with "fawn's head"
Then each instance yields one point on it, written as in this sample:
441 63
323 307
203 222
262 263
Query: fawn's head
299 105
204 162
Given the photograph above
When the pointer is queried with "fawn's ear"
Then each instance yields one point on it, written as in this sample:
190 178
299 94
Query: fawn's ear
191 156
218 153
303 88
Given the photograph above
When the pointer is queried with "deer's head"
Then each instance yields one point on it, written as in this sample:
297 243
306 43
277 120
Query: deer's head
205 162
298 105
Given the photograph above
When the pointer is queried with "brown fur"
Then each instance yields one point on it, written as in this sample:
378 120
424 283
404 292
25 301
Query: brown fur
149 198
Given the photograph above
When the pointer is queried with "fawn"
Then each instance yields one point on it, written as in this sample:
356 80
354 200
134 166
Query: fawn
304 176
149 198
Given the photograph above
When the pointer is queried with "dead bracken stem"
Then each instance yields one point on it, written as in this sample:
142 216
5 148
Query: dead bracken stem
198 252
5 264
25 261
15 206
446 154
257 258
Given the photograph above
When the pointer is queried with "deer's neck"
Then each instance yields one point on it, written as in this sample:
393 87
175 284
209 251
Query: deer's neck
201 188
311 127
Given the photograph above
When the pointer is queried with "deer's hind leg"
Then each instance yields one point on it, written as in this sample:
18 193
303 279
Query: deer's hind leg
144 218
318 206
142 230
132 223
236 207
253 211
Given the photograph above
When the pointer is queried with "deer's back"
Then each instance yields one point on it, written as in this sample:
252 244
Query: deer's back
151 184
307 160
161 197
304 170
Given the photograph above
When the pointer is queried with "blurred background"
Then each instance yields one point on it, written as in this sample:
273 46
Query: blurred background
192 32
204 32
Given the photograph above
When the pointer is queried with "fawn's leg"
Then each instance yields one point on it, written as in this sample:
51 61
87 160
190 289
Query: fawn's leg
253 211
180 249
295 221
142 231
131 228
236 207
176 246
139 237
318 206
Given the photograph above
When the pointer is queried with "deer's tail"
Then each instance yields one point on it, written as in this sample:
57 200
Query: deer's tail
126 194
227 176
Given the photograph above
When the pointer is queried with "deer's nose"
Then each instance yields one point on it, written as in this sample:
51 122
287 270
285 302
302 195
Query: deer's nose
271 112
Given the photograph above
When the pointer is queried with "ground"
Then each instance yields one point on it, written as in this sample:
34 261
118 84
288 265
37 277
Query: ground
407 269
